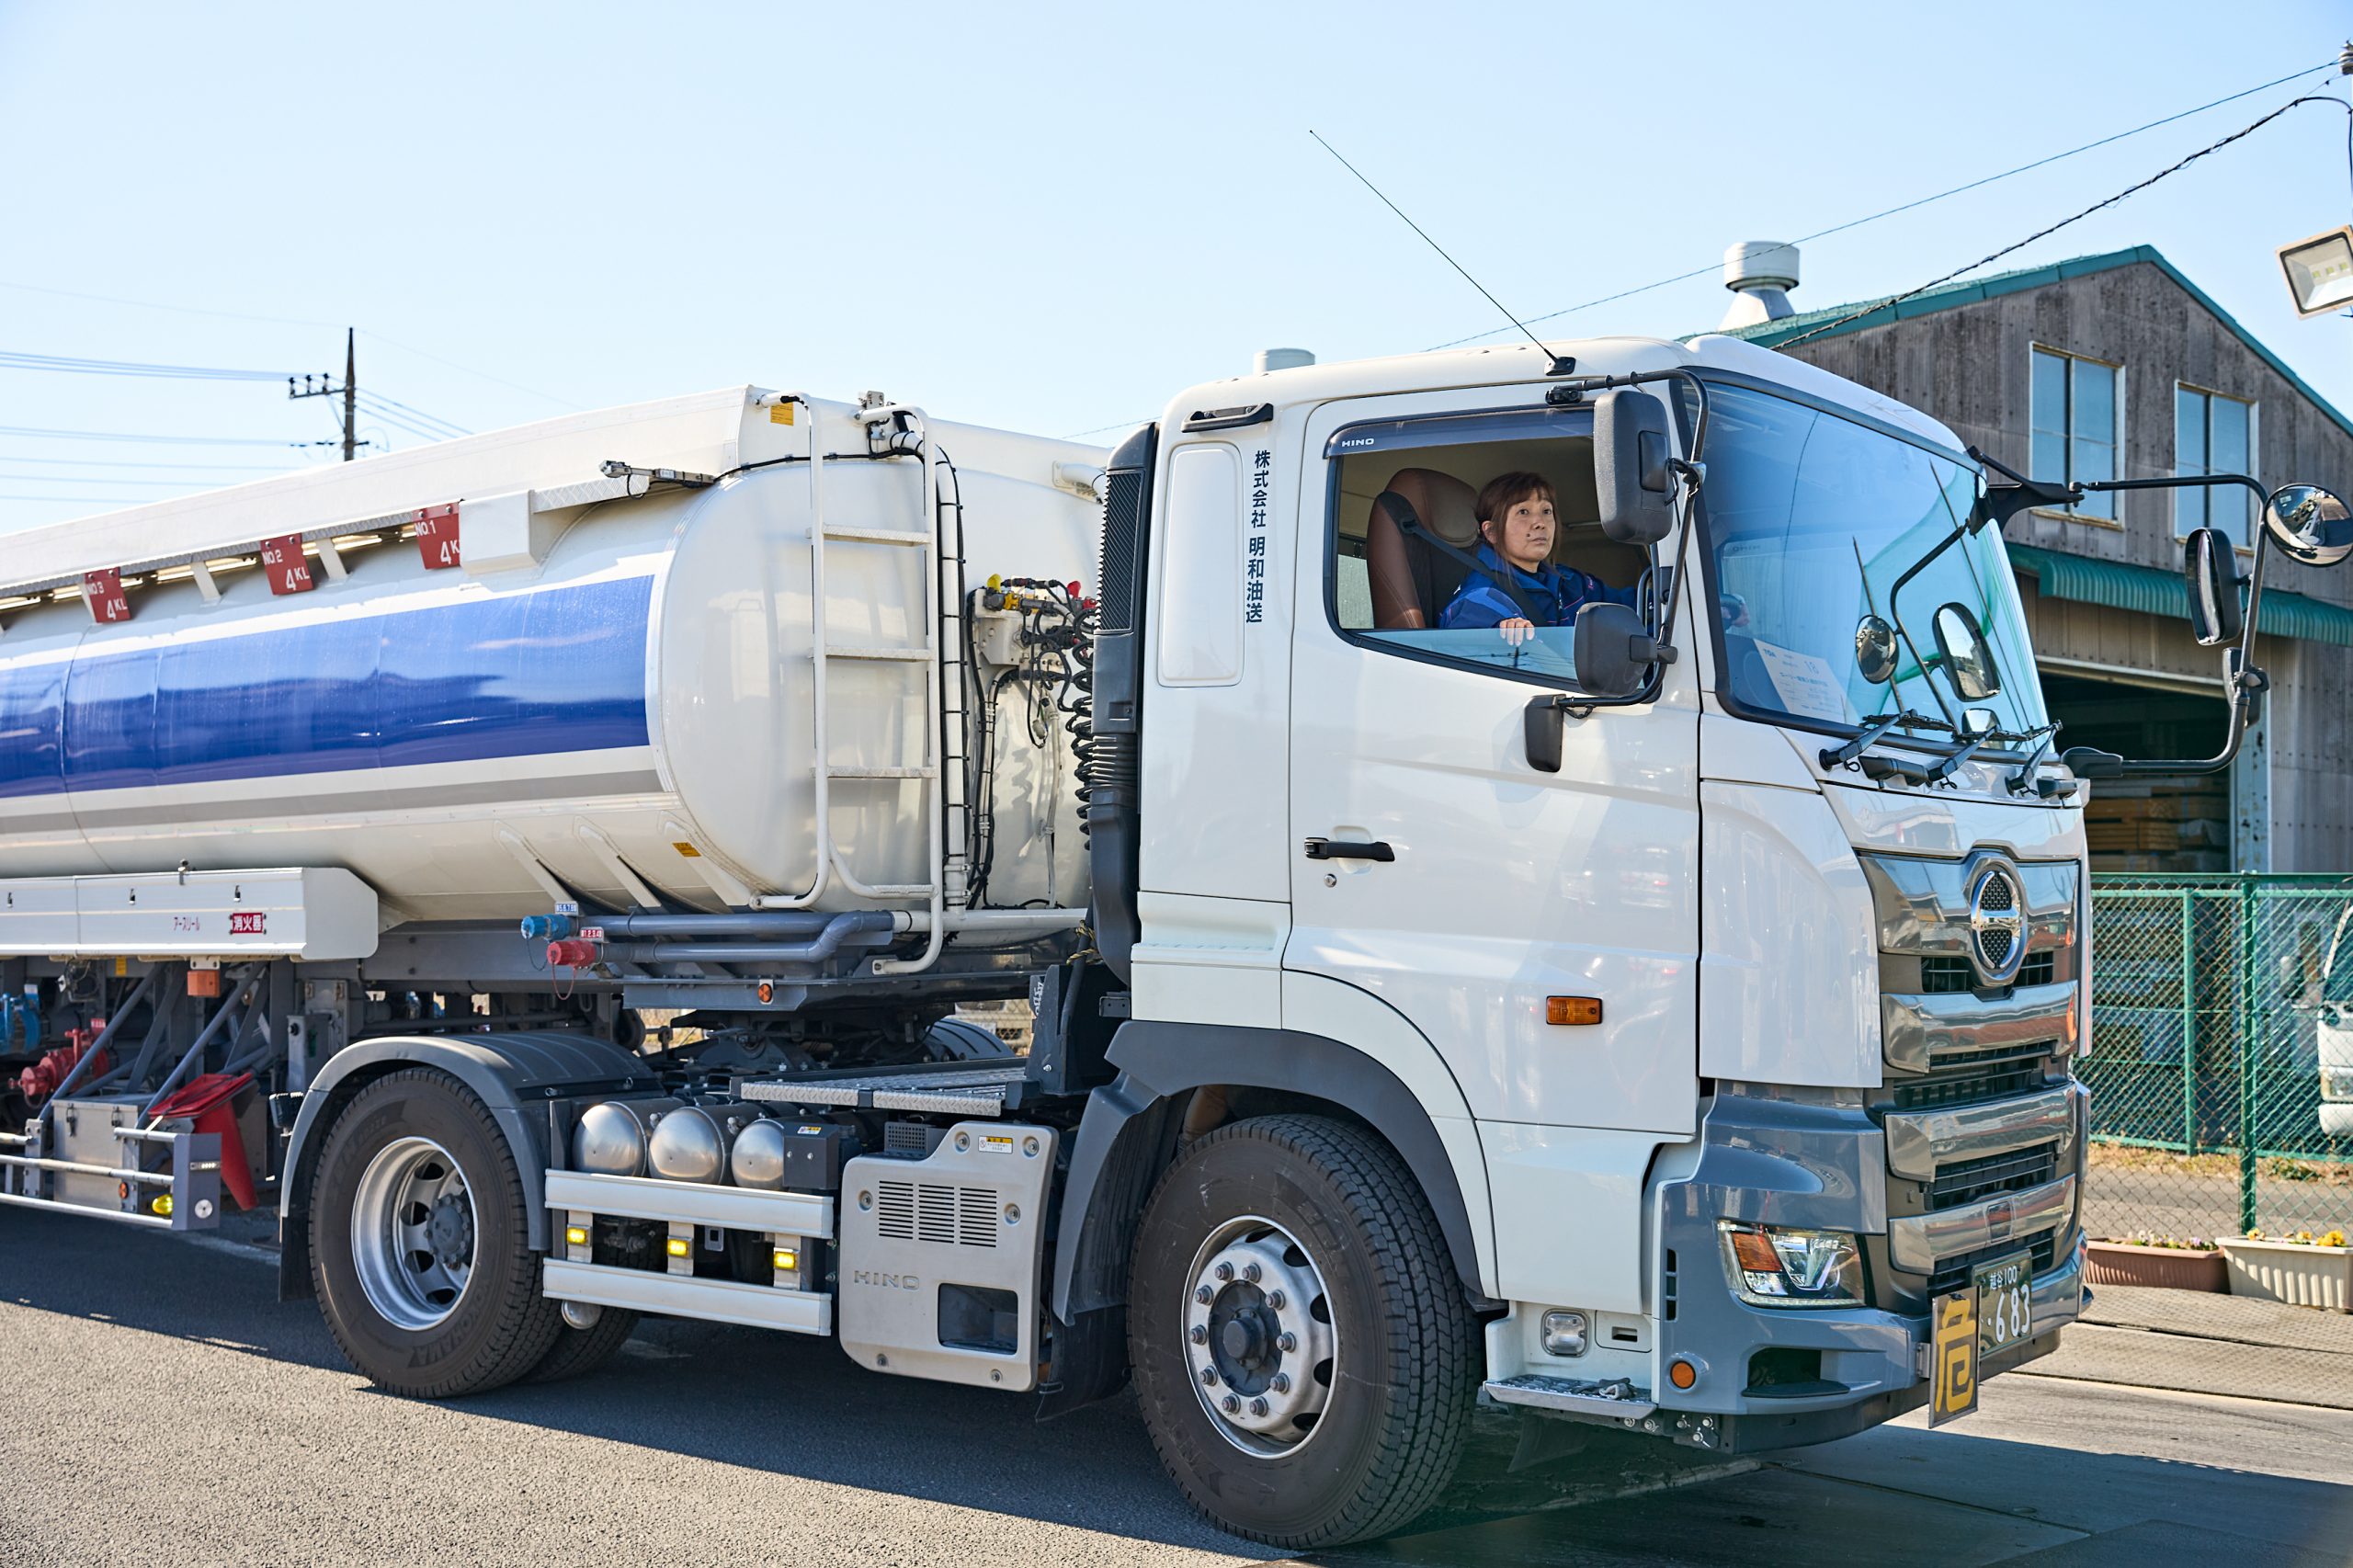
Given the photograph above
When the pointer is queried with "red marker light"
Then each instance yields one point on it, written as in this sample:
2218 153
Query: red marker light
1073 587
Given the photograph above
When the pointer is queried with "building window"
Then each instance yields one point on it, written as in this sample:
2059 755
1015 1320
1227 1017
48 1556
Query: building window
2073 412
2213 434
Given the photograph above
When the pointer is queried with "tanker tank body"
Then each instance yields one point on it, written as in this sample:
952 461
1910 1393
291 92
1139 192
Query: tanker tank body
611 692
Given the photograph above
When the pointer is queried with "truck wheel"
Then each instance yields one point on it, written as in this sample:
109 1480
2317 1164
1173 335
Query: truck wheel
578 1350
420 1253
1303 1353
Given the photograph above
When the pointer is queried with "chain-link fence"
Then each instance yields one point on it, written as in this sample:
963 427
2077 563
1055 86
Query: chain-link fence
2222 1016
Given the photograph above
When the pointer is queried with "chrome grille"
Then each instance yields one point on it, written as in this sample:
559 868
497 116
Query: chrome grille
1953 1273
1971 1181
1944 976
1993 1081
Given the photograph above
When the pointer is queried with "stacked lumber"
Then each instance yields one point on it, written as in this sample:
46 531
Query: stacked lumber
2160 825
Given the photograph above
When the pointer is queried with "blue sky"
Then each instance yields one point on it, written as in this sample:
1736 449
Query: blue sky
1050 218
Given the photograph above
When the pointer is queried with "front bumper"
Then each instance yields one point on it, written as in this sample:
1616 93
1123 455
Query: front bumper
1783 1377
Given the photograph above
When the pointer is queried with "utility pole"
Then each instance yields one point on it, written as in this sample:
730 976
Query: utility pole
348 391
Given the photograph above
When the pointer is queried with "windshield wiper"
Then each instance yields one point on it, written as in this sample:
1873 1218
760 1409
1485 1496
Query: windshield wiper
2024 778
1873 729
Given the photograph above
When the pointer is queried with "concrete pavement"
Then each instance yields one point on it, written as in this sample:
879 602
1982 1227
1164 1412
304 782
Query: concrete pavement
160 1406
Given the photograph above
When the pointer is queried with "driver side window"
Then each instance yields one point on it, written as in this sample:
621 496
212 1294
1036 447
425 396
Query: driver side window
1478 553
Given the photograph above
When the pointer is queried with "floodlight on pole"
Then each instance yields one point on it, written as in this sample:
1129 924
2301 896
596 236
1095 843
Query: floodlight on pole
2320 272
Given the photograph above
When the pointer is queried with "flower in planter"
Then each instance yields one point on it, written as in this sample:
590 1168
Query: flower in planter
2333 1238
2171 1243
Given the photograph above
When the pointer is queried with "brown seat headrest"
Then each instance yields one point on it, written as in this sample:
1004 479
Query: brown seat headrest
1409 587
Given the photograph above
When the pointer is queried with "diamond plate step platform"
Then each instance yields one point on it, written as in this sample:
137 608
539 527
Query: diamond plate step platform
1618 1399
955 1091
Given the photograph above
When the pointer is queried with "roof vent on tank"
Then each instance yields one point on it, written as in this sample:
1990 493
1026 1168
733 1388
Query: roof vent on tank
1760 274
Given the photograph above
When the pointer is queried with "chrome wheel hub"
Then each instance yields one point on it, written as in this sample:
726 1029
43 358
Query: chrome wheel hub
413 1232
1259 1336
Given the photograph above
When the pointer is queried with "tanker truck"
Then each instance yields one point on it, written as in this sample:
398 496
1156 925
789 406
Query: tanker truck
551 868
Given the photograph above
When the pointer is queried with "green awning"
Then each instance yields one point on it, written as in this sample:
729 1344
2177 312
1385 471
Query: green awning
2153 592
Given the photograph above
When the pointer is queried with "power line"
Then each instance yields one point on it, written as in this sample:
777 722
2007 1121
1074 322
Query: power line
405 426
82 500
188 485
485 375
381 400
282 320
12 360
157 440
151 305
1908 206
2045 233
116 462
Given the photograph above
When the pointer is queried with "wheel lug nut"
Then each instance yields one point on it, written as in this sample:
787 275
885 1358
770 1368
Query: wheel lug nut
1279 1383
1257 1407
1209 1377
1286 1342
1250 1272
1224 1271
1230 1404
1276 1300
1198 1333
1205 1295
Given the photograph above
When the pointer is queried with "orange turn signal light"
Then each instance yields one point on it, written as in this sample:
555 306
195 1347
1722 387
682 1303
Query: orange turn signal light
1754 1252
1573 1009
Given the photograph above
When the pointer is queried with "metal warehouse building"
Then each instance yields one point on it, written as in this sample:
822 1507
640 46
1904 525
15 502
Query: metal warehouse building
2117 366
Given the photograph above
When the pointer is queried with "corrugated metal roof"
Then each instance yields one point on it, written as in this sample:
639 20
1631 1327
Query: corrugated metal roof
1772 334
2120 585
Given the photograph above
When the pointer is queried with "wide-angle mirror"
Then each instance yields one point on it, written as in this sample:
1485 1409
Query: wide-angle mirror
2310 523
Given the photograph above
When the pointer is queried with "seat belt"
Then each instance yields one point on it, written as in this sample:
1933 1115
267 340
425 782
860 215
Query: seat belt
1401 512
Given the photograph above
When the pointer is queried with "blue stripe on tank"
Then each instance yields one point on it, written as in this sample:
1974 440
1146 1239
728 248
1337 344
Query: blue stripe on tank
517 674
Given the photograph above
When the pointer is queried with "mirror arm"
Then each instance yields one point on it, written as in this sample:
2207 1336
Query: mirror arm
2002 502
1895 613
1573 392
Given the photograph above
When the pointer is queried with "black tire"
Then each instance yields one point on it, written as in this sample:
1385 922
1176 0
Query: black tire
499 1326
578 1350
1405 1376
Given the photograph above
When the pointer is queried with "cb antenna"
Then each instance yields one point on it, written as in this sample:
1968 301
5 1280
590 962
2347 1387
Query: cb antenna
1561 364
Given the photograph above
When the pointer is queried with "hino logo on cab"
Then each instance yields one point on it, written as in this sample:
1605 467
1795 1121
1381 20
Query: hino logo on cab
887 1281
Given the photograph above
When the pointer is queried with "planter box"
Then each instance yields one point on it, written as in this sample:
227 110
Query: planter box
2174 1269
2288 1271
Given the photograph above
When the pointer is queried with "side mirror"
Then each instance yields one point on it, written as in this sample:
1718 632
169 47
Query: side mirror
2308 522
2211 570
1630 477
1968 663
1614 652
1543 728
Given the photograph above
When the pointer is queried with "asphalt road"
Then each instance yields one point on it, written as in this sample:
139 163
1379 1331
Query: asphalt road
157 1404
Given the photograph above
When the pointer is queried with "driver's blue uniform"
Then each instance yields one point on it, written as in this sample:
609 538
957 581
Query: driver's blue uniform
1557 592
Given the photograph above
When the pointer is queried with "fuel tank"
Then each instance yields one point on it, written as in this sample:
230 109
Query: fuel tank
597 691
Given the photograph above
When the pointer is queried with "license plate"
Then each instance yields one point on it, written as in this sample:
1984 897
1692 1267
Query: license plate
2004 1303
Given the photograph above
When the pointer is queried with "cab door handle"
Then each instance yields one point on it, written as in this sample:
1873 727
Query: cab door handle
1349 849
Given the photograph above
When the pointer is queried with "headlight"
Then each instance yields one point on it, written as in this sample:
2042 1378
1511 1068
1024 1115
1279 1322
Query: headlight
2337 1083
1772 1265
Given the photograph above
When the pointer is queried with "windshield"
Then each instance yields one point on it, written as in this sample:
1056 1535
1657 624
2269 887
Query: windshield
1811 519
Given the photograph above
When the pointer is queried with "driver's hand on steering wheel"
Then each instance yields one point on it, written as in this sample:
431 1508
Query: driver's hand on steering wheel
1518 630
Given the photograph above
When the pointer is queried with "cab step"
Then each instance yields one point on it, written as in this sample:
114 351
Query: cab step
1616 1398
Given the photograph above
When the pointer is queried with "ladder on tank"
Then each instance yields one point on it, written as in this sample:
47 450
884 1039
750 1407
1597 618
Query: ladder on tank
893 427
